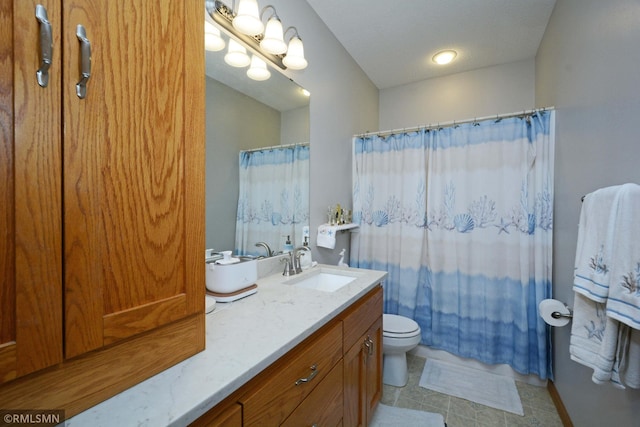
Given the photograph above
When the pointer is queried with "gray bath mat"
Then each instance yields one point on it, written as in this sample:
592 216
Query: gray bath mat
390 416
496 391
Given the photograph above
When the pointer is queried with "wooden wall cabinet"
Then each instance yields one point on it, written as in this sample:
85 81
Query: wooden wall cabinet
101 198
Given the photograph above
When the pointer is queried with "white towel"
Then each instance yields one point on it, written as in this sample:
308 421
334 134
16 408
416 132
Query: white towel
607 362
326 236
593 252
623 367
630 365
623 303
587 330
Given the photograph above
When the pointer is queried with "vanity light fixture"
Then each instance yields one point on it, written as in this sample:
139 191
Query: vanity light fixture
273 39
247 20
258 69
212 40
236 55
270 45
444 56
294 58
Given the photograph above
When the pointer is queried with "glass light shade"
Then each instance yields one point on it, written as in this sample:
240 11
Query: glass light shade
236 55
295 55
444 57
212 40
258 69
247 20
273 41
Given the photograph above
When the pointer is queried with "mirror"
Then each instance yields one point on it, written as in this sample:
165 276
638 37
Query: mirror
244 114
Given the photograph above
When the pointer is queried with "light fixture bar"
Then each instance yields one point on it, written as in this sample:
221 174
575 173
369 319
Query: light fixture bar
223 16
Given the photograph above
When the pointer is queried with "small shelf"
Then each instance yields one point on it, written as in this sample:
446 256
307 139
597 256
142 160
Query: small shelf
340 227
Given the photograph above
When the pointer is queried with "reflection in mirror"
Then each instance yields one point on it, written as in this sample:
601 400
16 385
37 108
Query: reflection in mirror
258 130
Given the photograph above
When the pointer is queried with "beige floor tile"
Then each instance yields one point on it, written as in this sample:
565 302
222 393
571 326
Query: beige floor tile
539 409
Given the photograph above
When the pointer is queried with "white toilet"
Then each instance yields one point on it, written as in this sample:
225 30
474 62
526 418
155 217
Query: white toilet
400 334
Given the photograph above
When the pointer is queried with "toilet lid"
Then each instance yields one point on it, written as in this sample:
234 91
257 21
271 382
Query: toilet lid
394 324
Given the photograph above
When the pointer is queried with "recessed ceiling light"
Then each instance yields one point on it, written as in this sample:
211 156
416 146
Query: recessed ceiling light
444 57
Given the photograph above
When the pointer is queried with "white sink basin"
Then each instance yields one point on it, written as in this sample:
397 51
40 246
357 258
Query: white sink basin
327 280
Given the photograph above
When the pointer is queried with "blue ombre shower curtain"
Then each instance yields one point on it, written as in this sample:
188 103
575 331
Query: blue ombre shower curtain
274 197
461 217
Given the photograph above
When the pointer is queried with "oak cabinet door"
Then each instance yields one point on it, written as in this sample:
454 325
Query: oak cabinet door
30 192
131 203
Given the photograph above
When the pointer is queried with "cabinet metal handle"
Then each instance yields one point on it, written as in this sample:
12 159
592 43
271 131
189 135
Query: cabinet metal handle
314 372
85 62
46 45
368 343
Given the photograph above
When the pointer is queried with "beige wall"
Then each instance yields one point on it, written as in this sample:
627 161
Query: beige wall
343 102
588 67
488 91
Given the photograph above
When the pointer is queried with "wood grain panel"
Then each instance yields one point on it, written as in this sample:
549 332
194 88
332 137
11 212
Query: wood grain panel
230 416
85 138
359 318
355 385
37 203
143 318
7 236
134 180
8 362
374 370
194 182
86 381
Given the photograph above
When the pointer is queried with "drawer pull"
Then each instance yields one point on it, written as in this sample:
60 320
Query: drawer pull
314 372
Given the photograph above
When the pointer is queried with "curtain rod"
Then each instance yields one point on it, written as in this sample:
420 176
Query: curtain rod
295 144
451 123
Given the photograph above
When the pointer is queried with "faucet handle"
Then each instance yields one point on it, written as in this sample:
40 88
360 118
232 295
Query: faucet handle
289 269
296 263
286 266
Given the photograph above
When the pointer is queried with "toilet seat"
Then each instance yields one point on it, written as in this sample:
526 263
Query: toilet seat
394 326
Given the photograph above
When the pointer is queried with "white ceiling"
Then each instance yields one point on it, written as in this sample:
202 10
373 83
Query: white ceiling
394 41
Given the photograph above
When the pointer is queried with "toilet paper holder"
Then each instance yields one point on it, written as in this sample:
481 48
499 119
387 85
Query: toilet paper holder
558 315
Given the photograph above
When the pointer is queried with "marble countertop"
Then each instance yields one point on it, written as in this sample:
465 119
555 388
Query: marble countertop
242 338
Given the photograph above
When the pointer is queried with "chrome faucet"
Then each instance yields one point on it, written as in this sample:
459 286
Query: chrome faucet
266 247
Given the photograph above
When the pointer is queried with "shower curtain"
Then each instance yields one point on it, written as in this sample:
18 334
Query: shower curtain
461 217
273 200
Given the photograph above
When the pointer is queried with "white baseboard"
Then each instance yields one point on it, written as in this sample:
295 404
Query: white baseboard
506 370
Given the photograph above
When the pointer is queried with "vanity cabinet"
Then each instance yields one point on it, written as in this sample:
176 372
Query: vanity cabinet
333 378
362 325
101 196
285 386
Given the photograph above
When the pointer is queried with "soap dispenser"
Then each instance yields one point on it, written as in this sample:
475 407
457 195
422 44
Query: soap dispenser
288 246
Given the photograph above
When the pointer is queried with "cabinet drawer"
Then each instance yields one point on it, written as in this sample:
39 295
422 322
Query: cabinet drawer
272 400
358 319
323 407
